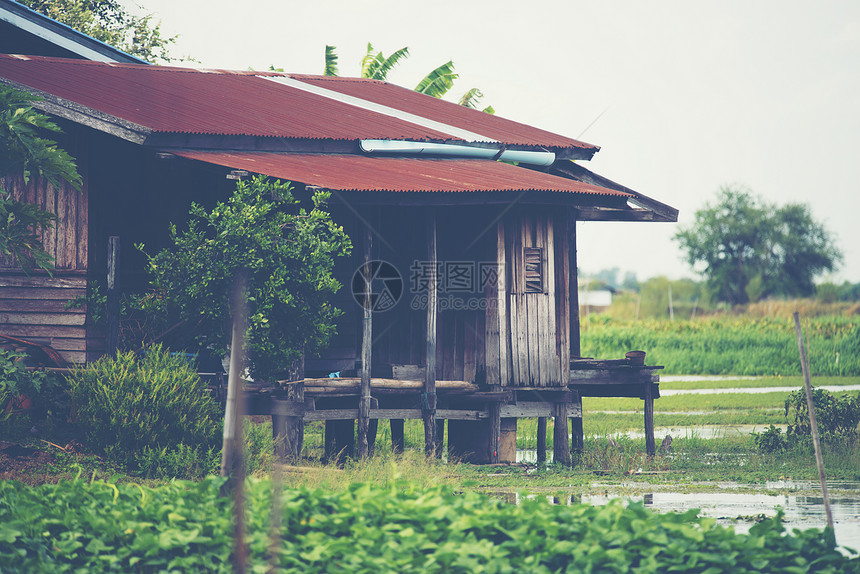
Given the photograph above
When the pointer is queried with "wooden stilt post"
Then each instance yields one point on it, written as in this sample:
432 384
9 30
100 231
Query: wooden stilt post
561 439
541 439
372 428
650 444
294 427
429 396
113 305
397 435
577 435
329 442
573 309
279 435
366 341
439 436
495 428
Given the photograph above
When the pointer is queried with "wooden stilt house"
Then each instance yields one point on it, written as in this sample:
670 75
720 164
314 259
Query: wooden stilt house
461 293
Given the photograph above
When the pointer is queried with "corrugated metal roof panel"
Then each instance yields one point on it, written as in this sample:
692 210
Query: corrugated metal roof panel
498 128
168 99
219 102
362 173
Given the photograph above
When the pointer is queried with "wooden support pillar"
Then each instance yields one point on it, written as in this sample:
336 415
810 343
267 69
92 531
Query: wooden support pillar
397 435
439 437
372 429
289 432
573 289
541 439
650 446
279 436
113 294
495 409
573 309
577 443
429 397
561 440
339 440
366 342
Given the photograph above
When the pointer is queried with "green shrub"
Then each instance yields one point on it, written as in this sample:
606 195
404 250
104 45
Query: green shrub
44 389
771 440
129 403
837 415
180 461
195 463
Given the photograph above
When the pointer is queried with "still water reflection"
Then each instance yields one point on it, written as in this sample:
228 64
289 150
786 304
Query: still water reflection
739 510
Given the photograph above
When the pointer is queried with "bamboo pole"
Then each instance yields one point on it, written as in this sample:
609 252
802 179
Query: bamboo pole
804 364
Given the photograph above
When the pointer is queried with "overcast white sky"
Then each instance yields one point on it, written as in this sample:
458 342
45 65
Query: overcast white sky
692 95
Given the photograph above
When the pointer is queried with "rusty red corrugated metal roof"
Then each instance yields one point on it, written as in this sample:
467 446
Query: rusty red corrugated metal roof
362 173
220 102
407 100
168 99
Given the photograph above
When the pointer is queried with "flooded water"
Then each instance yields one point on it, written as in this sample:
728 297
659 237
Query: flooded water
802 510
801 502
704 431
753 390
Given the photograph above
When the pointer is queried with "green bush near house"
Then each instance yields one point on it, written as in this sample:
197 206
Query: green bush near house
21 387
129 406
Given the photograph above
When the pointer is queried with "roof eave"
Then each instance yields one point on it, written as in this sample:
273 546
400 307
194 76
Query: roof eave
62 35
660 211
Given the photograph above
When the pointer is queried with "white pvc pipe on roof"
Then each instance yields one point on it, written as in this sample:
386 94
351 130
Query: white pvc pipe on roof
453 150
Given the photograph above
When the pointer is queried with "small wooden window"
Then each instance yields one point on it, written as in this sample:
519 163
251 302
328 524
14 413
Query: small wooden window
533 257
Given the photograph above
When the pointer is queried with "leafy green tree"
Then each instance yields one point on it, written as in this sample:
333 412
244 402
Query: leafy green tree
23 150
376 66
748 249
110 22
286 253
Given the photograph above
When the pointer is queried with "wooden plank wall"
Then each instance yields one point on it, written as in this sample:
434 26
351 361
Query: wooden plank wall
538 332
32 307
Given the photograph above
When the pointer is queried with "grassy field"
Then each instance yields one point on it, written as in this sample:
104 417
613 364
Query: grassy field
730 344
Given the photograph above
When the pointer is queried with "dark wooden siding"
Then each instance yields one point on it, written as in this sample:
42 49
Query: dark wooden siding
67 240
538 317
33 307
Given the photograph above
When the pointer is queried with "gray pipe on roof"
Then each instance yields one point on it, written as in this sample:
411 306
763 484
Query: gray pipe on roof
454 150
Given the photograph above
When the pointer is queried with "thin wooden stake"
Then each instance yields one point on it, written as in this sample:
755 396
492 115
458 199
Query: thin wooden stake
232 455
366 341
804 363
429 401
113 304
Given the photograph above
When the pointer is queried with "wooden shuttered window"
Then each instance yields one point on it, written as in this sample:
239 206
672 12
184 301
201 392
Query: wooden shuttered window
533 259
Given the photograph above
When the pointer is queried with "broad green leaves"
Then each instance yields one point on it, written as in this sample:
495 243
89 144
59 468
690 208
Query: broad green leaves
376 66
75 526
24 151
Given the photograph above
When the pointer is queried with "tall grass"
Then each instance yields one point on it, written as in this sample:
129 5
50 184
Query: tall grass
729 344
